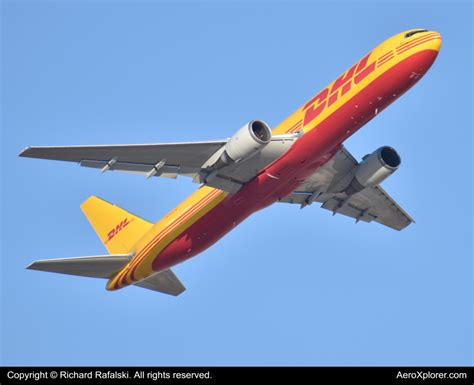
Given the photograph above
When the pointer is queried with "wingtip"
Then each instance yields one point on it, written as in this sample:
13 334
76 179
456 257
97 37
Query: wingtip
180 292
23 153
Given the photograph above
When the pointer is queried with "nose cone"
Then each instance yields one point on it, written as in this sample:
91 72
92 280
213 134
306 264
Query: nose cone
432 43
423 49
435 43
421 43
418 40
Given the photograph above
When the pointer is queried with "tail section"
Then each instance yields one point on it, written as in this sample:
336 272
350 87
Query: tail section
118 229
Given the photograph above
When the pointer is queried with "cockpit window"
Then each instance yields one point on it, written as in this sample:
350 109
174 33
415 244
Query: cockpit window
415 32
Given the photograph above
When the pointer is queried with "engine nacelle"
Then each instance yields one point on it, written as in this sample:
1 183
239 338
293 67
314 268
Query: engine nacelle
374 169
246 142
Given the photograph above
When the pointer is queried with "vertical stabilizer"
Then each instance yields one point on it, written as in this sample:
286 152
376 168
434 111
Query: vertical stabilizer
117 228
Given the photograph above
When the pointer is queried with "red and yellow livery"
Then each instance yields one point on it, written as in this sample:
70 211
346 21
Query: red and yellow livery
325 122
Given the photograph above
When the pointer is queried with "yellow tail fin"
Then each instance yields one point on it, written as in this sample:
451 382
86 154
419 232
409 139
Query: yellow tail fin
118 229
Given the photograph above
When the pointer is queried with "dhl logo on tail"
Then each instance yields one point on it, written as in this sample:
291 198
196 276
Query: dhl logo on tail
119 227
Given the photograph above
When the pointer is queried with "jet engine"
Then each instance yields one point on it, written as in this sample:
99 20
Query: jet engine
374 169
246 142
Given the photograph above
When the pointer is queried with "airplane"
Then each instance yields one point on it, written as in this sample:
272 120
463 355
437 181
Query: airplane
301 161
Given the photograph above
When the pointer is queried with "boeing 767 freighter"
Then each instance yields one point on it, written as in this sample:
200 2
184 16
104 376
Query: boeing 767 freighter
301 161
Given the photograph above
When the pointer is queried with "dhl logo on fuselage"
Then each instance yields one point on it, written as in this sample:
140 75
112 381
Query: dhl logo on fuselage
119 227
330 94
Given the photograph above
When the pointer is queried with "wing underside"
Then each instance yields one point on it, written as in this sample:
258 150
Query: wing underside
168 160
326 187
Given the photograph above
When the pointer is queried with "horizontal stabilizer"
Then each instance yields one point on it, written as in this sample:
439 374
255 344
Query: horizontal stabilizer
164 282
102 266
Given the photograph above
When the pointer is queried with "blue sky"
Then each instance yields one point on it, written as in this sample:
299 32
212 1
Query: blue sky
288 286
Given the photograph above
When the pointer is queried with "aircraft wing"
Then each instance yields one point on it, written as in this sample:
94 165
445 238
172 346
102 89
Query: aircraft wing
325 186
176 158
168 160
